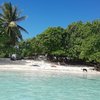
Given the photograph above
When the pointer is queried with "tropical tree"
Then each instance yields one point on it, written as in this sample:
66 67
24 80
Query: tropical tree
52 40
75 33
9 17
90 49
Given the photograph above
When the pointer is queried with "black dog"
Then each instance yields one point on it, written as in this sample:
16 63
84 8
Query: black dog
84 70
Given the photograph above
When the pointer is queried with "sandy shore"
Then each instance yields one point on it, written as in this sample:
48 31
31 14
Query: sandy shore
31 65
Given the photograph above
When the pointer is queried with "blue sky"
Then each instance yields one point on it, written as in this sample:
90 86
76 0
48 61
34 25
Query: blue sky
48 13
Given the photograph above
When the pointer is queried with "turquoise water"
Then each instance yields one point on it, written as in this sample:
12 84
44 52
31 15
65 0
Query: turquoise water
48 86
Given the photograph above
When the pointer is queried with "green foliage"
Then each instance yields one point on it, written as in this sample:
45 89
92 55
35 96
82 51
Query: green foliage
76 36
25 48
79 41
52 39
9 17
59 53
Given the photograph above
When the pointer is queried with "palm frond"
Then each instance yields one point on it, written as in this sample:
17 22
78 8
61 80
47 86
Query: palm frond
7 9
19 34
2 31
11 11
14 16
1 15
21 18
1 20
22 29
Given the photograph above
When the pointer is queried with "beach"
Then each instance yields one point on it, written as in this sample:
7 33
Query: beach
32 65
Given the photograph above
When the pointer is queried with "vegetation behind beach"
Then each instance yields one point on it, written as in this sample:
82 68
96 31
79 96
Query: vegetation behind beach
78 42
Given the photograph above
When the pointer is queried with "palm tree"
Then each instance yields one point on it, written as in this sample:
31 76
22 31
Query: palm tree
9 18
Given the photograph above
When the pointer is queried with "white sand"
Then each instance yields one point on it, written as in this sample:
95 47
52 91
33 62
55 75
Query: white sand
32 65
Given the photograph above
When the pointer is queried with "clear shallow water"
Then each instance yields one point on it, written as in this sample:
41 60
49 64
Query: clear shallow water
48 86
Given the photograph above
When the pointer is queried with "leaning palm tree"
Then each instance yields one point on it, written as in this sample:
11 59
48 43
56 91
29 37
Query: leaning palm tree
9 17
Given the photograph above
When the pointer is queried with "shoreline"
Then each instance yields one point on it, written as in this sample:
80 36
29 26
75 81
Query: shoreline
31 65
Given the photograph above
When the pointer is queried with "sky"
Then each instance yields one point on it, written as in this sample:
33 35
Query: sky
42 14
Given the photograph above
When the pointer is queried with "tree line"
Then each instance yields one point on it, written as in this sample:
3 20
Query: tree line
78 42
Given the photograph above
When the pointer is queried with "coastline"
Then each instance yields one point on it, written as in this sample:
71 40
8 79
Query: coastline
31 65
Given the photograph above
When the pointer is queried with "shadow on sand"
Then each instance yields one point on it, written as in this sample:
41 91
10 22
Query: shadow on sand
6 61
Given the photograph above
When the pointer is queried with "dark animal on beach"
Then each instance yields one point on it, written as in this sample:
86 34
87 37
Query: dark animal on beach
53 66
84 70
36 65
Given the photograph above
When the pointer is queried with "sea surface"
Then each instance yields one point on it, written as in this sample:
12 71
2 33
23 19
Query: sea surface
48 86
